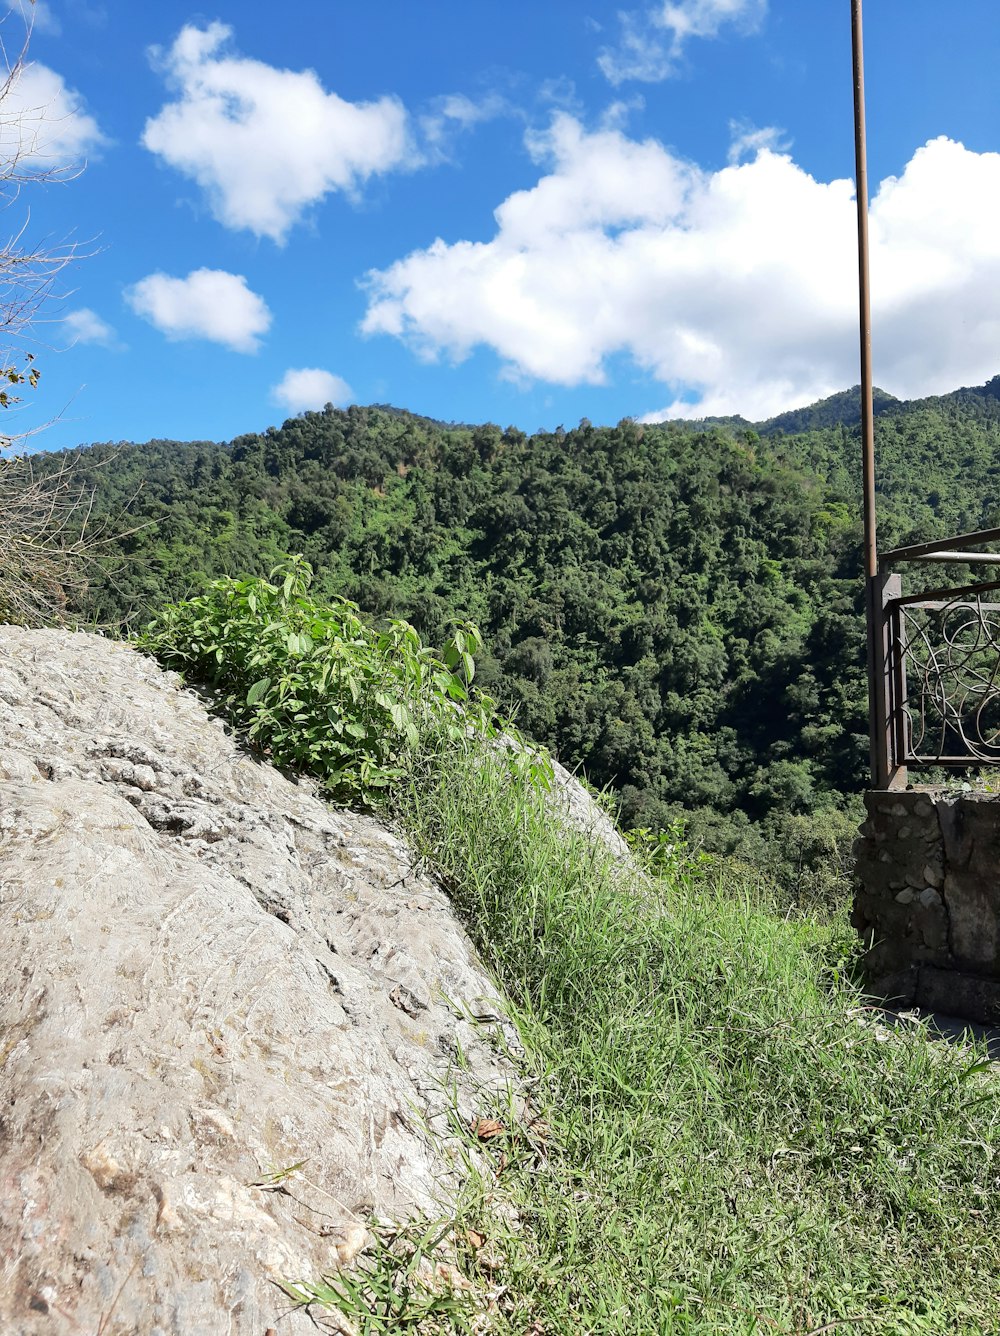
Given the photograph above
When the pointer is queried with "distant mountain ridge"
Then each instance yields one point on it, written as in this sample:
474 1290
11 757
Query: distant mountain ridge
844 409
841 409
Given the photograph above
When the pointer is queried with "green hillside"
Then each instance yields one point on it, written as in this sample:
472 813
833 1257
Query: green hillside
673 607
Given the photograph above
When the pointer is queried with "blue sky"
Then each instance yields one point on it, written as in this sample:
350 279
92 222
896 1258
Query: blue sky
524 213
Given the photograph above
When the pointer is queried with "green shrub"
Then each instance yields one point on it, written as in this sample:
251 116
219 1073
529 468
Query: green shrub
319 689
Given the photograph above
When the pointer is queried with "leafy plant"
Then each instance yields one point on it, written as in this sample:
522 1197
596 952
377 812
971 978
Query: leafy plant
318 688
665 852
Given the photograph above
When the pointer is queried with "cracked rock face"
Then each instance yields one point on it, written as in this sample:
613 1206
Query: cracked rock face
207 976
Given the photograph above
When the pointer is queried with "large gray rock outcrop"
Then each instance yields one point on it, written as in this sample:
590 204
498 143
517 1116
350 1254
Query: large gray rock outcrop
206 976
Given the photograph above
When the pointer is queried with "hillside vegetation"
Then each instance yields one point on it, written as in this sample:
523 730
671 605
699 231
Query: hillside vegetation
675 607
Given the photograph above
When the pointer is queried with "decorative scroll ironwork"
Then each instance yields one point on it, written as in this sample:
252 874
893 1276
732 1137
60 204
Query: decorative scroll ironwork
946 656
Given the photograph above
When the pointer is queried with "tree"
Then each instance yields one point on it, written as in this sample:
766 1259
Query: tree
44 535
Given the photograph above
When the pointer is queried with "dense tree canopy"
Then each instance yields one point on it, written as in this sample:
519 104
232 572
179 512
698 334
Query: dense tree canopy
673 607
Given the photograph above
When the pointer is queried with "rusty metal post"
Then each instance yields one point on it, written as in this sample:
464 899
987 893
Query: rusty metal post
877 667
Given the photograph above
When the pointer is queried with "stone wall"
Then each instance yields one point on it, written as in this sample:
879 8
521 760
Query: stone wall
927 900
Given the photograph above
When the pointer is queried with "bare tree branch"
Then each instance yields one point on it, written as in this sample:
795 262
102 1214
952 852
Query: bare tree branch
48 544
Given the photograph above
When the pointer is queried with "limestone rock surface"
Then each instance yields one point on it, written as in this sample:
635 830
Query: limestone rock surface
207 976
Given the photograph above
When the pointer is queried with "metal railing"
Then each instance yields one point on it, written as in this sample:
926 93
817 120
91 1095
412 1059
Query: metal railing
938 683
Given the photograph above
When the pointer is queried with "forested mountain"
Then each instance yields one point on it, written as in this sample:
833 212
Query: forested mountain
843 409
674 607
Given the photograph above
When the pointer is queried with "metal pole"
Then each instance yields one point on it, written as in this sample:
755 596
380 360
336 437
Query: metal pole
877 678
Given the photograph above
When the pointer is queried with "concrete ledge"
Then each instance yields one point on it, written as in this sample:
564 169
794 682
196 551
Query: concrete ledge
953 993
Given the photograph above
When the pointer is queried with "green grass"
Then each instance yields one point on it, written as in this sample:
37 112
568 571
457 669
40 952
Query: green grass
722 1137
735 1142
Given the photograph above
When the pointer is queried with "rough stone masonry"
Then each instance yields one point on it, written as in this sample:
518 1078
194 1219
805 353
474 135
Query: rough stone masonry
927 902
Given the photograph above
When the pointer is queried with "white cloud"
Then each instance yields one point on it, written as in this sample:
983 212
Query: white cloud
652 41
310 387
749 140
36 15
43 124
704 18
736 289
617 115
452 114
86 326
208 304
266 143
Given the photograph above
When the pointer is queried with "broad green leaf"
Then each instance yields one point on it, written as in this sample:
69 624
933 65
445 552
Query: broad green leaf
399 715
257 690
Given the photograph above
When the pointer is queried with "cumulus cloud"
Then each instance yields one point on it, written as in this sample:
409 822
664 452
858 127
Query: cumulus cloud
307 387
209 304
652 41
736 289
44 125
86 326
265 143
